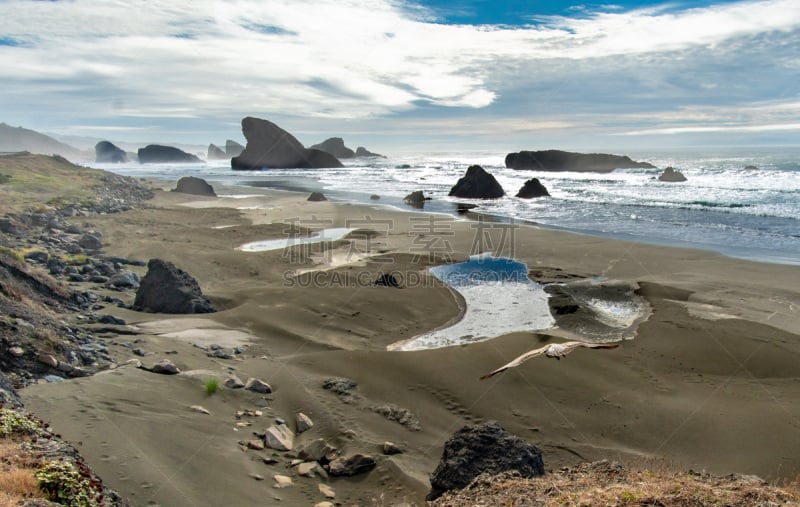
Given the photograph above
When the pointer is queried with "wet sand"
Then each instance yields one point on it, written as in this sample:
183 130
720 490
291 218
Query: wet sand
709 382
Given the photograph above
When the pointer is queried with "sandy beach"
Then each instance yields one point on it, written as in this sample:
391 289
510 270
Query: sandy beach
709 381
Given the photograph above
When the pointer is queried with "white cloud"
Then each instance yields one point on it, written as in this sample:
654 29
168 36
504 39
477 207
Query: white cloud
344 59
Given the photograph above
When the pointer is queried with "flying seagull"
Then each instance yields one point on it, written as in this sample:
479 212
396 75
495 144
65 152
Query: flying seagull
556 350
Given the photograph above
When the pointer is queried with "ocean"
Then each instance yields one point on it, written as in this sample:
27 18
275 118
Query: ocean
724 206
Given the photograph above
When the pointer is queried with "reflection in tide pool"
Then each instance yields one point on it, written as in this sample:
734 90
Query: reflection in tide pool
500 299
332 234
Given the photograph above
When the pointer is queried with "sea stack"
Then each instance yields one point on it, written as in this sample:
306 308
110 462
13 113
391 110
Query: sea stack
533 188
215 153
108 153
672 176
557 160
477 184
269 146
155 153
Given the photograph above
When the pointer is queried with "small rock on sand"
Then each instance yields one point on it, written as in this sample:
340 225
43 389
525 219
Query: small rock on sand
202 410
352 465
233 382
327 491
390 448
323 504
282 481
258 386
165 367
303 422
315 450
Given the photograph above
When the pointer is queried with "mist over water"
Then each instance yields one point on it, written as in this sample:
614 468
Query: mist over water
723 207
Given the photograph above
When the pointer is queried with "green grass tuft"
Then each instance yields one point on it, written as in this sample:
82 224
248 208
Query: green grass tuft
212 385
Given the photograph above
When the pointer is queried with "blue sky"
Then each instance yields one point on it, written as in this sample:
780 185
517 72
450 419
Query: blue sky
397 75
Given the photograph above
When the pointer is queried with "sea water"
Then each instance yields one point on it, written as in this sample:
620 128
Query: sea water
723 207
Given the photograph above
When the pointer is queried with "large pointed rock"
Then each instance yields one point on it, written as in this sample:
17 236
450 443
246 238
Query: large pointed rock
477 184
672 176
233 149
168 289
215 153
269 146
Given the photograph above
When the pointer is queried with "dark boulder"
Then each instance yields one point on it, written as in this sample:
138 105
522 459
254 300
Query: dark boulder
483 448
233 149
387 280
557 160
335 146
155 154
363 152
168 289
317 197
533 188
477 184
215 153
269 146
672 176
106 153
416 199
194 186
90 242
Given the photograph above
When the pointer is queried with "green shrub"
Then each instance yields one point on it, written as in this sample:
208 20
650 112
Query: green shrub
63 483
12 422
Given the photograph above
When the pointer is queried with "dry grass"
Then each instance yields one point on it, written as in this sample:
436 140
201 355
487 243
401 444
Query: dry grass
17 467
606 484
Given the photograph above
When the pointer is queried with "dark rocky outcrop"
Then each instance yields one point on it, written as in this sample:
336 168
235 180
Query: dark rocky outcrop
232 148
533 188
750 168
168 289
363 152
335 146
477 184
194 186
216 153
317 197
557 160
416 199
156 153
387 280
672 176
107 153
483 448
269 146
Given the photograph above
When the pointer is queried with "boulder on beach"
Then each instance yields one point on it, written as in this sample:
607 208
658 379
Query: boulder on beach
269 146
533 188
672 176
156 153
168 289
215 153
557 160
416 199
233 149
194 186
335 146
107 153
482 448
363 152
477 184
317 197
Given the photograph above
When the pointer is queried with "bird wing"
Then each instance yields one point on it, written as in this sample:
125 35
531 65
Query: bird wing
567 348
570 346
518 361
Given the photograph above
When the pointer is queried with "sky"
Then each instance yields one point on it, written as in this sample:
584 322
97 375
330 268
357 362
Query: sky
401 75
